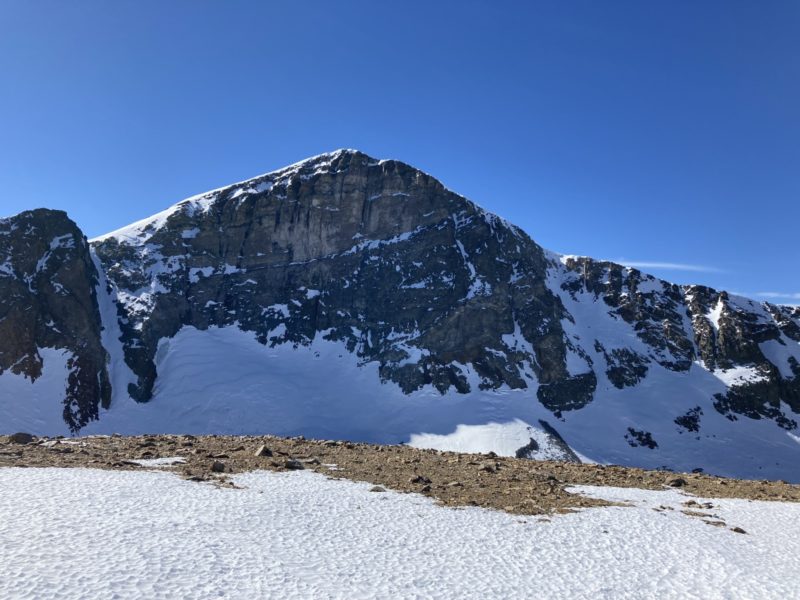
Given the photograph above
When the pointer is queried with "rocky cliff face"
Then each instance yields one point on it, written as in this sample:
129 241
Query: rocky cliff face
48 300
751 346
427 290
375 254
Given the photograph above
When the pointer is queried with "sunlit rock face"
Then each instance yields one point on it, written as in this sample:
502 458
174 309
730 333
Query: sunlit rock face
374 253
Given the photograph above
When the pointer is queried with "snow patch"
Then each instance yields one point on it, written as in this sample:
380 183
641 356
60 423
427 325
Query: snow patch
159 462
714 315
779 353
502 438
739 375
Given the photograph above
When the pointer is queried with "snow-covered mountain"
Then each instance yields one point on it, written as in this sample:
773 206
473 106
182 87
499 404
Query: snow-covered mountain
350 297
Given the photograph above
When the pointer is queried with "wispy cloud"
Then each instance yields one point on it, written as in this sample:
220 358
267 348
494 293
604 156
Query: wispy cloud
780 295
646 264
785 298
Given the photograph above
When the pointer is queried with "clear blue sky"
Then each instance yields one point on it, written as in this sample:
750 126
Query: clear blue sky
662 132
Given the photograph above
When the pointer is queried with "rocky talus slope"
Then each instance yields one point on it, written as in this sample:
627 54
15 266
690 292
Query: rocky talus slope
455 479
350 297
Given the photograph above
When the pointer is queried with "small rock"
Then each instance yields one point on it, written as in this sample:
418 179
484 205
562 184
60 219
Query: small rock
377 488
488 468
738 530
20 438
714 523
425 489
219 456
491 454
310 461
455 484
293 464
218 466
263 451
419 479
676 482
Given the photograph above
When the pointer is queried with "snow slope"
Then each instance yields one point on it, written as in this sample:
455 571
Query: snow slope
300 535
36 406
222 381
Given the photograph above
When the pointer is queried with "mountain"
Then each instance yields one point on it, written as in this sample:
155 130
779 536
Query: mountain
350 297
49 314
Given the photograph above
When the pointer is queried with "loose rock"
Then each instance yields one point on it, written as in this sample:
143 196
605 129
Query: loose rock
263 451
20 438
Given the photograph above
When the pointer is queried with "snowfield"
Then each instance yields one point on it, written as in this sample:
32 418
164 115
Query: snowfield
80 533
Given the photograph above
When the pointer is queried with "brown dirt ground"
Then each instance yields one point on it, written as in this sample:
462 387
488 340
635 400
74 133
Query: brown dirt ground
513 485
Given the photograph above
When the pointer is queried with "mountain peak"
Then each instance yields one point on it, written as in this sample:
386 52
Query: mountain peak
325 163
340 295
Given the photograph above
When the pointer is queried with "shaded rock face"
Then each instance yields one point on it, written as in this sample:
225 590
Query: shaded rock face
751 346
375 254
655 310
48 300
734 333
405 274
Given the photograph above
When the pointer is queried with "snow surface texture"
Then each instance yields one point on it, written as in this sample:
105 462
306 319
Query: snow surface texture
300 535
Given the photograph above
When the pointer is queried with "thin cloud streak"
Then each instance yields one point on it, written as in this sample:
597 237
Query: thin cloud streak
644 264
784 295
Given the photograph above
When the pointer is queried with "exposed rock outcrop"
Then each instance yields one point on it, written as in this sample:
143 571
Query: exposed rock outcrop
48 300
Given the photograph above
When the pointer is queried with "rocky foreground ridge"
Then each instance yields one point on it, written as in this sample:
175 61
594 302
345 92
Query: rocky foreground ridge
435 300
510 484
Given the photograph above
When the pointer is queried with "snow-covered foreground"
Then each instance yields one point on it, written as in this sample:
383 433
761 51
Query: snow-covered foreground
76 533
